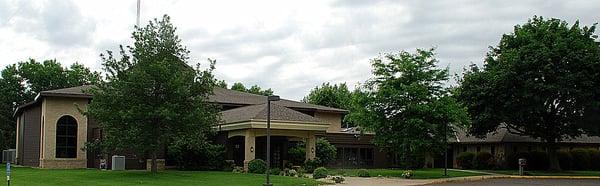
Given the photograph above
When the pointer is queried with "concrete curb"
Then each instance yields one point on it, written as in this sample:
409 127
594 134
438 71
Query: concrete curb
479 178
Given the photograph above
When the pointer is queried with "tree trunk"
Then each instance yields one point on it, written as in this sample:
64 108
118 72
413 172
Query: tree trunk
551 149
153 162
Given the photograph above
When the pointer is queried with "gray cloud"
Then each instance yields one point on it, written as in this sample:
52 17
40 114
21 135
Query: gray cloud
60 23
294 50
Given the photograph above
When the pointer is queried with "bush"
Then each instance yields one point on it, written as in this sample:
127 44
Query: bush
292 173
363 173
407 174
484 160
326 152
311 165
465 160
513 159
320 172
207 157
238 170
338 179
297 154
595 157
565 160
582 159
275 171
537 160
257 166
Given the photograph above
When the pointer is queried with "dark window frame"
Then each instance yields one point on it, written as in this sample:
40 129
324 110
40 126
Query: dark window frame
66 137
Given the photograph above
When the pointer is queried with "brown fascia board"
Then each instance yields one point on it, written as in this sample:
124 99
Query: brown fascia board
49 94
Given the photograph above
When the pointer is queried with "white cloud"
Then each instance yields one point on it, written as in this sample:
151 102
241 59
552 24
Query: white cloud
290 46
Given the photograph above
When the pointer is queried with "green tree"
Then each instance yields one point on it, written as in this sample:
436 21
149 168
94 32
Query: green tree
336 96
255 89
152 98
541 81
408 107
238 86
21 82
221 83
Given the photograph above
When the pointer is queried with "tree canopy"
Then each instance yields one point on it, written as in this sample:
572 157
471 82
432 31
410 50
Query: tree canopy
255 89
408 107
541 81
21 82
153 98
336 96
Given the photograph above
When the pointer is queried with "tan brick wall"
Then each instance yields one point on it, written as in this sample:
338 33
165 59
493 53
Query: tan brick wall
334 120
52 109
63 163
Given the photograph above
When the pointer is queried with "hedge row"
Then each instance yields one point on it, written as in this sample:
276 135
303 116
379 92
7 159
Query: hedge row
578 159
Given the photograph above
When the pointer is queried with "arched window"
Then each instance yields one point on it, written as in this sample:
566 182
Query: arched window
66 137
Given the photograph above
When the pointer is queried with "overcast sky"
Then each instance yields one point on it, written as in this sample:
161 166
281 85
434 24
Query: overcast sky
290 47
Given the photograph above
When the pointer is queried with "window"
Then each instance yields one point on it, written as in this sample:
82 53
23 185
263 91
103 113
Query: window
464 149
493 150
66 137
478 148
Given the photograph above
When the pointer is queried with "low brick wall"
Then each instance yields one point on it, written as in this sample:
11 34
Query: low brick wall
63 164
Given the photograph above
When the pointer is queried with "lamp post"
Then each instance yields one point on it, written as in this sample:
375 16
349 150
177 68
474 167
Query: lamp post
446 149
269 99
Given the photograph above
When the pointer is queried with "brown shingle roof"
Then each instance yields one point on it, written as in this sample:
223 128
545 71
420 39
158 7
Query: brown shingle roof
78 91
226 96
503 136
252 112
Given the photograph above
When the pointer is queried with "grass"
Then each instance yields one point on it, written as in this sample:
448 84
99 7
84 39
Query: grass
548 173
418 173
33 176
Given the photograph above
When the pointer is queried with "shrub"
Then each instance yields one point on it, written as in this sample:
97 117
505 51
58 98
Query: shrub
320 172
483 160
297 154
513 159
326 152
565 160
208 157
595 157
275 171
363 173
292 173
238 169
537 160
582 159
311 165
257 166
338 179
465 160
407 174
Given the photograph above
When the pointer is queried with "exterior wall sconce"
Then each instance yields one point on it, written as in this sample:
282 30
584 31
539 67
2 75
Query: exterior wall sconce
251 149
312 150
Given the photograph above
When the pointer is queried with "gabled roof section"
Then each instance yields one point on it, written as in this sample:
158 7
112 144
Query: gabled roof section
502 135
78 91
259 112
226 96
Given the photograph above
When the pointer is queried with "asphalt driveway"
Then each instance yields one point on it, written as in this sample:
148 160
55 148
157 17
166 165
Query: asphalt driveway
526 182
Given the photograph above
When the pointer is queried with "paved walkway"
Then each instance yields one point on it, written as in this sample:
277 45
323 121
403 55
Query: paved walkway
357 181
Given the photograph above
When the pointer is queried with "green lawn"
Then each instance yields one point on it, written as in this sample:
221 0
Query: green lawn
548 173
418 174
31 176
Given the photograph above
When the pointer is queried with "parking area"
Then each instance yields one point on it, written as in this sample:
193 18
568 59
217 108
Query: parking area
528 182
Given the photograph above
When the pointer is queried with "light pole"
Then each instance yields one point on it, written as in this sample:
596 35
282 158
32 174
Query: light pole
269 99
446 150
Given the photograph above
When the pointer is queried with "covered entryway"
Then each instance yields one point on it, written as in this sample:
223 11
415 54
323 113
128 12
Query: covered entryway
246 133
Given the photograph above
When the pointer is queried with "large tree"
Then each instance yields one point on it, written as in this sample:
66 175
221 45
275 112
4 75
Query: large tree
542 81
336 96
21 82
255 89
408 107
152 98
